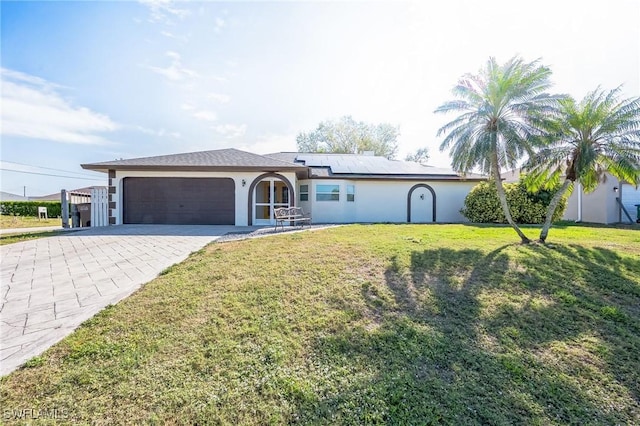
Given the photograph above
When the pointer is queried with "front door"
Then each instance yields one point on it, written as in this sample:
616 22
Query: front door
269 194
421 205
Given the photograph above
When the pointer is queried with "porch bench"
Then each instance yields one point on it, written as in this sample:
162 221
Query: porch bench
294 215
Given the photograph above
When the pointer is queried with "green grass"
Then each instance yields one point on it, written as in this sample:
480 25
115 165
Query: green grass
18 238
384 324
8 222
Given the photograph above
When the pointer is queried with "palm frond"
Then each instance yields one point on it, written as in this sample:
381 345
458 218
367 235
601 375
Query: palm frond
602 134
502 111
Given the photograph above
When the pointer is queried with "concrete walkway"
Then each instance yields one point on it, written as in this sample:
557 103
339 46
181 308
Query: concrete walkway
49 286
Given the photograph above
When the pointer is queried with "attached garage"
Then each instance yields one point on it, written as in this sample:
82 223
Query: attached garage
178 201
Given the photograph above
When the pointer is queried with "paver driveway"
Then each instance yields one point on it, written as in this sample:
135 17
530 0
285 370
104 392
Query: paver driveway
51 285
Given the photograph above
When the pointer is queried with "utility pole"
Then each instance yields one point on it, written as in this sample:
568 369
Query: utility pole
24 191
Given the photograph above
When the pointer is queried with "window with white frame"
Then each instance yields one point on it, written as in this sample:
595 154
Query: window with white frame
327 192
351 192
304 192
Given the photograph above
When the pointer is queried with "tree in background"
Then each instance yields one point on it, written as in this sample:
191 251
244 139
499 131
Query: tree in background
348 136
420 156
599 135
501 110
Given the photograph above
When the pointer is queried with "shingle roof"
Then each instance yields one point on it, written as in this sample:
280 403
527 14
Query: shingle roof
220 158
319 165
289 157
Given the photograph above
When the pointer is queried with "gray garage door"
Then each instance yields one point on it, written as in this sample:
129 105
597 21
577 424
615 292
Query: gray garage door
179 201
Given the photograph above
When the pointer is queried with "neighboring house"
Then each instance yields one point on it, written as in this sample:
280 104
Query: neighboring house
600 205
630 197
80 192
234 187
7 196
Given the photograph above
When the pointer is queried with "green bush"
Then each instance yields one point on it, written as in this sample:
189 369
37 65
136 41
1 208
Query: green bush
483 206
30 208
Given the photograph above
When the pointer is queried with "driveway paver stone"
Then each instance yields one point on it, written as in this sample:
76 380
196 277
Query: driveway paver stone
49 286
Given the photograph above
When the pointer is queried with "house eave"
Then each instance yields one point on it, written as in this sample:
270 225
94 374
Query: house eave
104 168
400 177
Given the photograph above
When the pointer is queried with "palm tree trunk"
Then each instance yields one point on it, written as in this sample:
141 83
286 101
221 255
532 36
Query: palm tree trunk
503 201
553 205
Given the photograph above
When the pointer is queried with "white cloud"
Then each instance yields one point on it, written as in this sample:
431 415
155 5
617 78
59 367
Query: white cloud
187 107
271 142
21 77
163 11
219 24
148 131
168 34
217 78
219 97
206 115
274 142
231 130
160 133
32 108
232 63
176 71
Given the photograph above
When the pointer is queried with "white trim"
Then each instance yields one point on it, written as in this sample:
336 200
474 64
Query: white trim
271 204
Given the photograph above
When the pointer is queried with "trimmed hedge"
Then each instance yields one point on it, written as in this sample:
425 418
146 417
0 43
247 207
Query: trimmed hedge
483 206
30 208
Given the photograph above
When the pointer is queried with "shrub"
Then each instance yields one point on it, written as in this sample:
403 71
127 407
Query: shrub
483 206
30 208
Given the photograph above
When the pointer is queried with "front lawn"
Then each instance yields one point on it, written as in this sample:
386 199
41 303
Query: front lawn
7 222
394 324
21 237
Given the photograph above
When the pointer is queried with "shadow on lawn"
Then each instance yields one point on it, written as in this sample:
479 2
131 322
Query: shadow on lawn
534 229
466 337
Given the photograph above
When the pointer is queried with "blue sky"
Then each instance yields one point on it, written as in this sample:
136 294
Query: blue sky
94 81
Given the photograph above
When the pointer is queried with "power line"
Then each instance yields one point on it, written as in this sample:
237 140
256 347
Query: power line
48 168
47 174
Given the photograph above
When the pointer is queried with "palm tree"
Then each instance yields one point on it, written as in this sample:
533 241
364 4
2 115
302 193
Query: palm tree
599 135
502 110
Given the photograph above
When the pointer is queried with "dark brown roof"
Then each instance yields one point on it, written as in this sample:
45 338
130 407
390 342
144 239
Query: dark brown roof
223 159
